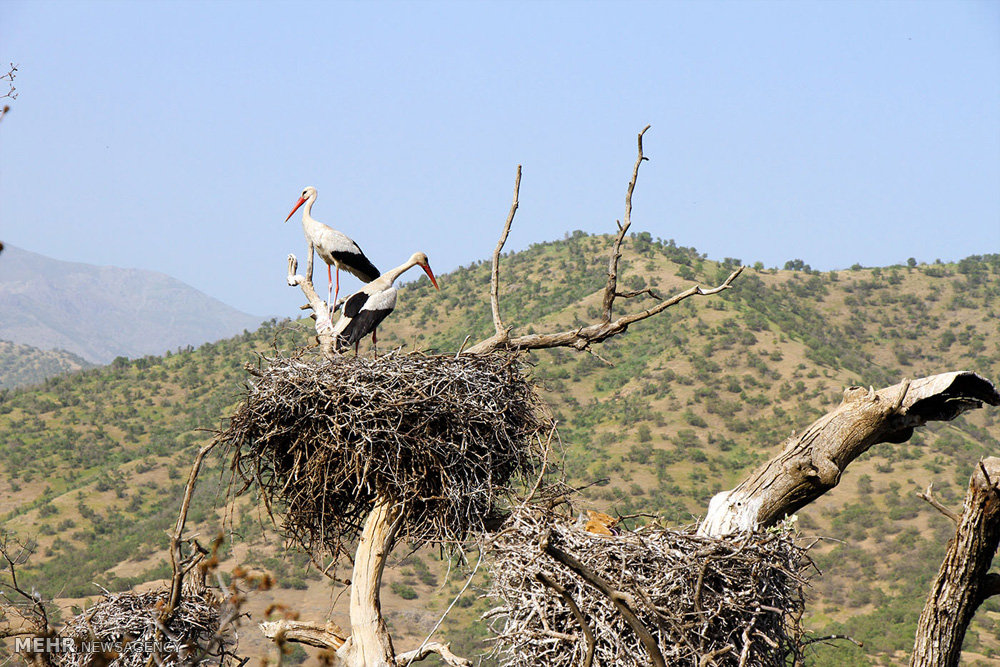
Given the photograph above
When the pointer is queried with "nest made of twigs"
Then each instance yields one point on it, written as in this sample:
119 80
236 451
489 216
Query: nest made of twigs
736 600
442 437
124 630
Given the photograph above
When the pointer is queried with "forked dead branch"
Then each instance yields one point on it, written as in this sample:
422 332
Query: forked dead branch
583 337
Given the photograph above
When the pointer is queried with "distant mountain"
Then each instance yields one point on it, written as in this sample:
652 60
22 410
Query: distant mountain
103 312
23 365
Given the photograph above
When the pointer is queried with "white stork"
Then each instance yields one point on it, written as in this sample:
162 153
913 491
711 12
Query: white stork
366 308
333 247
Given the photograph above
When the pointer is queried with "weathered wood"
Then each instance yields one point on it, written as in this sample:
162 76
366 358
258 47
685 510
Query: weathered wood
370 644
443 650
962 582
582 337
810 464
320 308
329 636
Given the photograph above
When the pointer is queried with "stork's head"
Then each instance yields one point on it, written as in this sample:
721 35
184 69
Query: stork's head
420 259
309 192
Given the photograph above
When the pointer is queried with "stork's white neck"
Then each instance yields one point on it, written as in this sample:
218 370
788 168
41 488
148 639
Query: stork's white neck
309 225
391 275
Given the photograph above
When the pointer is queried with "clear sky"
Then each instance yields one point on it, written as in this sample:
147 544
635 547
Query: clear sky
177 136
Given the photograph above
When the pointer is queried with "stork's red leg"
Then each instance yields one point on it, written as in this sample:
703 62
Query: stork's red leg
374 342
336 293
329 303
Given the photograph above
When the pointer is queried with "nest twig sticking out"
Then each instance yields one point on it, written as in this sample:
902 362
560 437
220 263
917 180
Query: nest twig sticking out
444 437
702 600
122 629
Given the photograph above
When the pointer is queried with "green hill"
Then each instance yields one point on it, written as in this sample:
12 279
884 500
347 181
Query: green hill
675 410
23 365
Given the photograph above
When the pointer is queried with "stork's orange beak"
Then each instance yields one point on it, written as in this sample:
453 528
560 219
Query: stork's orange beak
297 204
430 274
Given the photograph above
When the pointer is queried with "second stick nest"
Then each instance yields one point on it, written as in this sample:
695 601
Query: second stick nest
121 630
443 437
702 600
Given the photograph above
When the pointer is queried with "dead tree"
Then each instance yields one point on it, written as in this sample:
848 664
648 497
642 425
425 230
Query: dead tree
185 623
811 463
963 582
389 497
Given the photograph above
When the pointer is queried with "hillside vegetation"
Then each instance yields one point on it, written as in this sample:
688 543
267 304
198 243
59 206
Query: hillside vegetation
675 410
23 365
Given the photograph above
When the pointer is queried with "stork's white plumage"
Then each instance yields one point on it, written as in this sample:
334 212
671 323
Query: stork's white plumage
365 309
333 247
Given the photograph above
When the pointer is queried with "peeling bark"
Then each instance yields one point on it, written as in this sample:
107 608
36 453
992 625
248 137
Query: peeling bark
811 463
962 583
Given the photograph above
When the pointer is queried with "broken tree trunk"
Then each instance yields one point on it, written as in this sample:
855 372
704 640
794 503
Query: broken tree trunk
962 583
811 463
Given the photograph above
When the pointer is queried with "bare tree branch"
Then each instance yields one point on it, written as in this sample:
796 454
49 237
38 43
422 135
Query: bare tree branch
321 311
616 249
928 495
11 93
811 463
495 274
443 650
583 337
179 564
26 605
329 635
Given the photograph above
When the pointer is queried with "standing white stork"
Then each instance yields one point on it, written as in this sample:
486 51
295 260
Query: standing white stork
335 248
366 308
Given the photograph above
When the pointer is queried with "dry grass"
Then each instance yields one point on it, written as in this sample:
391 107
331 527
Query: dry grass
737 600
443 437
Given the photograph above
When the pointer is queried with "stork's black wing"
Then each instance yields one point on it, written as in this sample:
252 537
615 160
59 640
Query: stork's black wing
356 264
355 303
361 325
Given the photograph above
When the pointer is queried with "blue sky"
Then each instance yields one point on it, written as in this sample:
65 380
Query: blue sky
177 136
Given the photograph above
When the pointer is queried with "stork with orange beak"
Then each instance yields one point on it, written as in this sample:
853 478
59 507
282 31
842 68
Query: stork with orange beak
333 247
365 309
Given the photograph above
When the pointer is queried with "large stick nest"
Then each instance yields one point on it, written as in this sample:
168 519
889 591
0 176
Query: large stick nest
444 437
736 600
124 629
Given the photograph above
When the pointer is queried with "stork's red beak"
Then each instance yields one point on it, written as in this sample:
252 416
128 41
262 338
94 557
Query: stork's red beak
297 204
430 274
